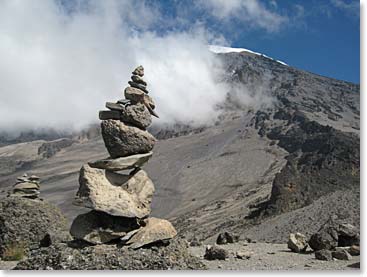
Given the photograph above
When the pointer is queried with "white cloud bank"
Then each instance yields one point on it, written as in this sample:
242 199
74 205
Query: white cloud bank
59 65
58 69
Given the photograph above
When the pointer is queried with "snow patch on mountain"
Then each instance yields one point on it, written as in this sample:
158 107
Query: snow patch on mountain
222 49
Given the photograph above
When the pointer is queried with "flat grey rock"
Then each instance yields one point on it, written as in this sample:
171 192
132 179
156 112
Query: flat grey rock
105 115
139 86
123 163
114 106
26 185
115 194
139 80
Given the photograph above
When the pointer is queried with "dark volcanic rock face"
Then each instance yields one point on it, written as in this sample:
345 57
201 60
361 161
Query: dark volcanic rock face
321 160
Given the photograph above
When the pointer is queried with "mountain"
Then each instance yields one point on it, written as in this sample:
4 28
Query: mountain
282 156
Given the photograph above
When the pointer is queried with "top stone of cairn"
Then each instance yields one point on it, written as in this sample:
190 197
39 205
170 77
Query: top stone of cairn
139 71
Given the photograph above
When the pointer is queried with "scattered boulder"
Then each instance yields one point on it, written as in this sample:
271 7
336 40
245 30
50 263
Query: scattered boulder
341 254
195 242
213 252
297 242
98 227
26 222
129 162
334 233
115 194
354 250
224 238
122 140
244 255
155 230
324 255
348 235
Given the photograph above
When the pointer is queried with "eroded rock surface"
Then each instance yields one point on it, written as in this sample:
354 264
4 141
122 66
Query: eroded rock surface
122 140
115 194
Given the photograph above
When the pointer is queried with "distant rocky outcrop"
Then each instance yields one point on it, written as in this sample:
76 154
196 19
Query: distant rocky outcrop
27 222
50 148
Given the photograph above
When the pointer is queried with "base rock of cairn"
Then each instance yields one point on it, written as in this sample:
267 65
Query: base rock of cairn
120 203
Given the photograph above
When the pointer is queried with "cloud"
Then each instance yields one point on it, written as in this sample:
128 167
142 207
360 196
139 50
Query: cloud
62 60
251 12
351 7
60 64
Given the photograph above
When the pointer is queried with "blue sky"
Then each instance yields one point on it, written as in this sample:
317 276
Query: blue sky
321 36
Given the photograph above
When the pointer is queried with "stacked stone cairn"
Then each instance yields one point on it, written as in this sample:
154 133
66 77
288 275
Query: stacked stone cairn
120 201
26 186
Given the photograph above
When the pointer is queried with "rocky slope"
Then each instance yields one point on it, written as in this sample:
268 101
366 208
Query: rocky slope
282 164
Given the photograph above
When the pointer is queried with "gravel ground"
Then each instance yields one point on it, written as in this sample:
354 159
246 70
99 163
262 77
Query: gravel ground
268 256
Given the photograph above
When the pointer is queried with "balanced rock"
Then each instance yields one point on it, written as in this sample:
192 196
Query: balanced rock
138 96
137 115
297 242
98 227
122 140
115 194
155 230
129 162
139 80
138 86
139 71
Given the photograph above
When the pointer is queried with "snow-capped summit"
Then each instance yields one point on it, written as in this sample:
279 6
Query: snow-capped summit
222 49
